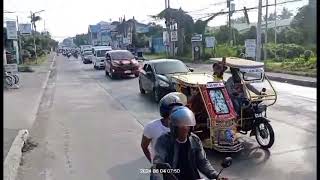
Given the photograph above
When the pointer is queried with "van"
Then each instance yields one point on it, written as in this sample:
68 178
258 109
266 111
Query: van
98 56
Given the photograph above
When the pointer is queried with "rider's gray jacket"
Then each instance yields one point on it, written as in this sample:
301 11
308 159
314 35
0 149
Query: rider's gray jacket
167 151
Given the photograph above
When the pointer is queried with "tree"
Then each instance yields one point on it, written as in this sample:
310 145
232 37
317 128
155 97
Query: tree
155 30
305 21
271 17
81 39
285 14
185 26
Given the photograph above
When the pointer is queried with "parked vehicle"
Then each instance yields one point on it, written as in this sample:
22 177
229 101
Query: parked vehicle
86 57
99 56
156 75
121 63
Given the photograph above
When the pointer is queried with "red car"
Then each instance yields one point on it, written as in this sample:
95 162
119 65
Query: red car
121 63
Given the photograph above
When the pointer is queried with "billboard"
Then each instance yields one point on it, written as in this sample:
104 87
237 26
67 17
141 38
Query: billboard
210 42
11 30
25 29
250 45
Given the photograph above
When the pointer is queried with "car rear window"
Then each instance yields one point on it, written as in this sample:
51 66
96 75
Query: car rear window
121 55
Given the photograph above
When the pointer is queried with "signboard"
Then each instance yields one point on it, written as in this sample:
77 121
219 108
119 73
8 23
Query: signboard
129 37
174 36
165 38
125 40
215 85
210 42
11 68
25 29
250 45
11 30
196 37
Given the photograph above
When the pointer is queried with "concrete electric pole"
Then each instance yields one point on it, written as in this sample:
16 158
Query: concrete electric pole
266 33
258 54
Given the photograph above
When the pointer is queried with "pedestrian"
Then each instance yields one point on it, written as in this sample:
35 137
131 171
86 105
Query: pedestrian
156 128
219 68
182 150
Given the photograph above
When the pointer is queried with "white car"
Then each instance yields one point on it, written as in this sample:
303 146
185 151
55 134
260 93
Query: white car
99 57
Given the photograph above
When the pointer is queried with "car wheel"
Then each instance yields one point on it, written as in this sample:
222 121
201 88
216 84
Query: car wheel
142 91
156 95
111 74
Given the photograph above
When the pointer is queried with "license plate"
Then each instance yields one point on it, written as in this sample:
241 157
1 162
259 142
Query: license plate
257 115
128 71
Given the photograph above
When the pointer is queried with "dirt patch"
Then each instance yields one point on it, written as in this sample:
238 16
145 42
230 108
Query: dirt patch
29 145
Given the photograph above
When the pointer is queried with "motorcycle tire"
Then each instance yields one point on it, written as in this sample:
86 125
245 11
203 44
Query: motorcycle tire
10 81
270 134
16 78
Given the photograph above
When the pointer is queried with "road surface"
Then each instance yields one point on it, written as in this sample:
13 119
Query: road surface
89 127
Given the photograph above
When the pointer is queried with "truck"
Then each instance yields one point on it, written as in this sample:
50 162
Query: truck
82 47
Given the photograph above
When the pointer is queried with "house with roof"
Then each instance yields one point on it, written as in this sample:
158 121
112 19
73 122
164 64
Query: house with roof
101 33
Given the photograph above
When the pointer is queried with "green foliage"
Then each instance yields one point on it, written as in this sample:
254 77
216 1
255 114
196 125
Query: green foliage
305 22
307 54
81 39
225 50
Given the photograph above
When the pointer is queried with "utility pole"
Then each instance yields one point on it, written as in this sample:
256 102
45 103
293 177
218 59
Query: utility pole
275 22
266 33
33 33
19 41
229 14
258 54
168 27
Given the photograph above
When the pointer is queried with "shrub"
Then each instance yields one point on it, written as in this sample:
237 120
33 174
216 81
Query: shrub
307 54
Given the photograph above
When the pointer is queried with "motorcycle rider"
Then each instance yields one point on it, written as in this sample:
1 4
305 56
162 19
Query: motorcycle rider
183 150
236 91
160 126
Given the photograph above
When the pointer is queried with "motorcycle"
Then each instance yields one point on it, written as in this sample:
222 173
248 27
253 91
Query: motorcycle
165 167
69 55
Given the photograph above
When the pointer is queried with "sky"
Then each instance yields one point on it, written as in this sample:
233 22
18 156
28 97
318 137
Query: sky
66 18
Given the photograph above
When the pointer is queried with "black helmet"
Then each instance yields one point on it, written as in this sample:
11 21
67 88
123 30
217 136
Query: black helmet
169 101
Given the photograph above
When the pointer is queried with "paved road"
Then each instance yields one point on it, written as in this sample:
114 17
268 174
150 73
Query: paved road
89 127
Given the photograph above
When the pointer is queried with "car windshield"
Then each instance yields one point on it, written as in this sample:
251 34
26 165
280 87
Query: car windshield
101 53
121 55
87 53
170 67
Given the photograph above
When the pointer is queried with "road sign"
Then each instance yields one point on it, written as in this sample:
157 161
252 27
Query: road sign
11 30
250 45
196 37
165 38
210 42
174 36
25 29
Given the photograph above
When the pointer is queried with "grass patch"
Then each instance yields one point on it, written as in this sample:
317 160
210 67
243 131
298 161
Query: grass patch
39 61
296 66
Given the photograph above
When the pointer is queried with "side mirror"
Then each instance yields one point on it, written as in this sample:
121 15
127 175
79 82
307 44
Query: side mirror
226 162
191 69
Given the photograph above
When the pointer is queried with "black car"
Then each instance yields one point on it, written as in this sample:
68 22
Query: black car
155 76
